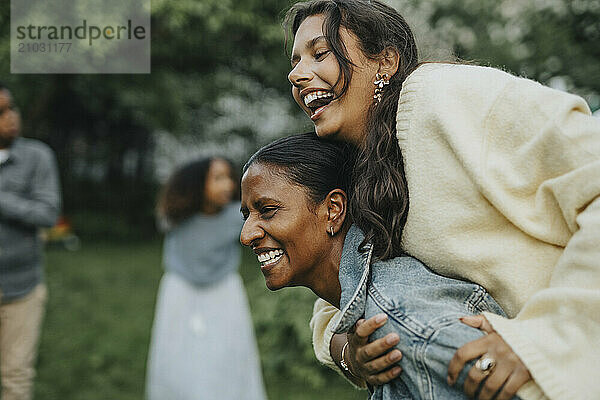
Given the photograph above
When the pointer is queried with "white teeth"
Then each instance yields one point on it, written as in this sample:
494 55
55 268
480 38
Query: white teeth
318 94
270 256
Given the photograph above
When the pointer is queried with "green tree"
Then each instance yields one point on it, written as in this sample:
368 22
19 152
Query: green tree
218 82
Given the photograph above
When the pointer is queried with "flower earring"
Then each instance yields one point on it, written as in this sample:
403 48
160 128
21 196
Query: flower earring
381 80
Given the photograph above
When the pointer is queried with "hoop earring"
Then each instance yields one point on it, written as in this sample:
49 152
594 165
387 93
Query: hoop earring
381 80
331 231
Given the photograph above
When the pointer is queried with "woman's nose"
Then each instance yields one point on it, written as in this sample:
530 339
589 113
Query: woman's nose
299 74
251 233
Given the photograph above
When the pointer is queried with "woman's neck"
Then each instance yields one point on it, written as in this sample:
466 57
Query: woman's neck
327 284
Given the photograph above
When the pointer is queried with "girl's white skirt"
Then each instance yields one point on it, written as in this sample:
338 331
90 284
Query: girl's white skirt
203 344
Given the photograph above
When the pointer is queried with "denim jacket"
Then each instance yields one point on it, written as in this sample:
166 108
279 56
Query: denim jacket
422 308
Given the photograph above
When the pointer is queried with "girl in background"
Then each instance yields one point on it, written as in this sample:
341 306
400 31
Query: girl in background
203 345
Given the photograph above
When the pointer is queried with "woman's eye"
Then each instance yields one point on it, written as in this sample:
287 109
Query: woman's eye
321 55
268 212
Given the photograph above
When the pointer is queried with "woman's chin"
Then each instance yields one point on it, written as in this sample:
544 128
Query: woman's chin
327 132
323 132
273 285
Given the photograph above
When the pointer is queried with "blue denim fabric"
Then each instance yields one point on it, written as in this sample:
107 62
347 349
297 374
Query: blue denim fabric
422 307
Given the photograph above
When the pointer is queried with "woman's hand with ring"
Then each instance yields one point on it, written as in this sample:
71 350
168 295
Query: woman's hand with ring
373 362
499 368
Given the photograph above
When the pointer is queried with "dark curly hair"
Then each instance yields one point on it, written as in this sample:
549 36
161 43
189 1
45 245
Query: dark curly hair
183 194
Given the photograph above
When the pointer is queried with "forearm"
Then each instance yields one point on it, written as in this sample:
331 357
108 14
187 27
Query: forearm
40 213
338 341
327 345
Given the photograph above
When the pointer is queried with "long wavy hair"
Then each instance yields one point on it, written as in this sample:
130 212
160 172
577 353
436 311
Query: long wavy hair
379 201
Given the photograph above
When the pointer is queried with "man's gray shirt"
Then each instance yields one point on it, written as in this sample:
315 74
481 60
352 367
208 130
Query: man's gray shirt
29 200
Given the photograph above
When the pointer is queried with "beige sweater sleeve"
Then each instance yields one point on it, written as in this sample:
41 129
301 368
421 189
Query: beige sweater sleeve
325 317
557 331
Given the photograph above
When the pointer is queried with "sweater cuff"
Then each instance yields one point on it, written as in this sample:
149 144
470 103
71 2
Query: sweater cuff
509 330
328 335
324 315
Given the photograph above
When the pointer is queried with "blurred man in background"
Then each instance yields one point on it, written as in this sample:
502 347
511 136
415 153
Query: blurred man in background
29 200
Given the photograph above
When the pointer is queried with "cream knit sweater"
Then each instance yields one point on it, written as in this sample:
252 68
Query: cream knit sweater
504 183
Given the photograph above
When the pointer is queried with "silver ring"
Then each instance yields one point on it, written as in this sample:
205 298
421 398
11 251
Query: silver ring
485 364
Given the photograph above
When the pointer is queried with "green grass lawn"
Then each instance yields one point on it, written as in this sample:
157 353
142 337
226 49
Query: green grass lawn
97 328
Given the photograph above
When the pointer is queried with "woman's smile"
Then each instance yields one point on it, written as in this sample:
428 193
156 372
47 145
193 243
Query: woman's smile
316 113
316 101
268 258
294 212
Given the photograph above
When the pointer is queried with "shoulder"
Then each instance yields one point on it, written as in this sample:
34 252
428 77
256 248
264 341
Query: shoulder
33 147
415 277
403 270
454 92
399 276
432 78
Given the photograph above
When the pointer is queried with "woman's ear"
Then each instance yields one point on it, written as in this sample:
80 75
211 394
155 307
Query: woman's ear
389 60
337 204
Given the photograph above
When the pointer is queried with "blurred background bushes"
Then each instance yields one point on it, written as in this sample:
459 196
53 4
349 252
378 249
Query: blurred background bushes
218 85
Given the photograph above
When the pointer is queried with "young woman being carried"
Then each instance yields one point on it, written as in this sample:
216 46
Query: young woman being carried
503 177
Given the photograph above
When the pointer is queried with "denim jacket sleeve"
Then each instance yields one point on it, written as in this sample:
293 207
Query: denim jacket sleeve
427 351
423 308
427 348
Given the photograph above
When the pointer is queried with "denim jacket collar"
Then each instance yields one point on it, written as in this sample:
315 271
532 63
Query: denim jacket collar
354 276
